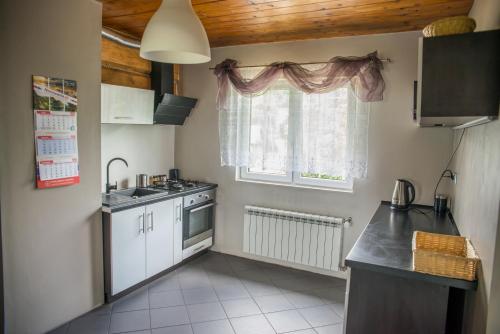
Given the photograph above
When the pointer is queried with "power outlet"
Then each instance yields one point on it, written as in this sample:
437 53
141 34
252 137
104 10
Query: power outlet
453 177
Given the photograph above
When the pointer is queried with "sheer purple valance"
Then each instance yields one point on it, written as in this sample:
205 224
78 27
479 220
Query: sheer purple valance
363 73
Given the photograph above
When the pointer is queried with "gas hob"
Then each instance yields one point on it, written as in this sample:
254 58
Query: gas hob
177 185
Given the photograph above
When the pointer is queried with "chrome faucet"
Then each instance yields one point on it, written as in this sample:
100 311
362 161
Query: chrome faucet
110 187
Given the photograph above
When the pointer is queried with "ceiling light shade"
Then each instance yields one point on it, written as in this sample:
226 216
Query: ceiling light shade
175 35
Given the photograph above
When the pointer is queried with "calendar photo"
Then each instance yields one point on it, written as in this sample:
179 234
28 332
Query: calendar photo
54 94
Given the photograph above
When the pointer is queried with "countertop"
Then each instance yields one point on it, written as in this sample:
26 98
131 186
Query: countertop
114 202
386 243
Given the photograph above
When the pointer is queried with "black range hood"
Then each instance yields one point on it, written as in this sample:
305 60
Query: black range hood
169 108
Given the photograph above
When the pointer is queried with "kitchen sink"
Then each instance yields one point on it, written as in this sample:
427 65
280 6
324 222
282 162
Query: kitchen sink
137 192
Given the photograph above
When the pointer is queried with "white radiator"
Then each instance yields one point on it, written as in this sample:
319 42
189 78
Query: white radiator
295 237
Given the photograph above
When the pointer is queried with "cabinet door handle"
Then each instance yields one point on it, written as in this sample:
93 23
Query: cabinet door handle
150 221
141 224
198 248
123 117
202 207
179 212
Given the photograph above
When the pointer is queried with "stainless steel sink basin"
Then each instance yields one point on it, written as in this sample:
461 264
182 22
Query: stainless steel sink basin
137 192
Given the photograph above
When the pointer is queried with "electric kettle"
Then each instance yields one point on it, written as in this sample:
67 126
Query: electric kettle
403 195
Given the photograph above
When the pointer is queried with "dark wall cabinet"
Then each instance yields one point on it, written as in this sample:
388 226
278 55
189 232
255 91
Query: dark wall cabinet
459 79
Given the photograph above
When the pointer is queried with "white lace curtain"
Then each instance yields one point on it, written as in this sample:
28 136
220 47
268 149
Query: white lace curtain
284 128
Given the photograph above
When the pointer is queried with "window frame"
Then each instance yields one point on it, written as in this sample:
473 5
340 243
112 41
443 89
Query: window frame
323 183
269 177
292 178
247 175
242 175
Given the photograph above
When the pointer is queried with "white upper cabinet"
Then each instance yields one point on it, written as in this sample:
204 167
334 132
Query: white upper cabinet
126 105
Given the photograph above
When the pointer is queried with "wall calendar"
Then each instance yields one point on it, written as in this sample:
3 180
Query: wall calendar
55 120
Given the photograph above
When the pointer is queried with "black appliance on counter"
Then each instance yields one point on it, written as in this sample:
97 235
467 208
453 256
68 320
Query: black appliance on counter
174 174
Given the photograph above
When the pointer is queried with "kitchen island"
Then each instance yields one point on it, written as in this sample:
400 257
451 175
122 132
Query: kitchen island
384 294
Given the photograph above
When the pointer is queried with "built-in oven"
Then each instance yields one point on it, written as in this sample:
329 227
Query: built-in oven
198 217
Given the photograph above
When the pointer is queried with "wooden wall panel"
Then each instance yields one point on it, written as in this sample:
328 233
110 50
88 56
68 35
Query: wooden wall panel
121 78
115 53
122 65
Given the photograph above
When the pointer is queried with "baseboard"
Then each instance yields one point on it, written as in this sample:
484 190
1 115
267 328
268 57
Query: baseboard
337 274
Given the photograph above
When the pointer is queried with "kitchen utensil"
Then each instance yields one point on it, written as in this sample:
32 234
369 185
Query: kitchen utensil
141 180
440 204
174 174
403 195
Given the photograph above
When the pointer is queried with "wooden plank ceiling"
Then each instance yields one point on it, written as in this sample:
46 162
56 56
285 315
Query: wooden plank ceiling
233 22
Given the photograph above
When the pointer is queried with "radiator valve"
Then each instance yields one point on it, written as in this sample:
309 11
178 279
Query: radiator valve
348 222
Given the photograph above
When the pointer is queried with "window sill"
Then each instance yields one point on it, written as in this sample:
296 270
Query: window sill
270 183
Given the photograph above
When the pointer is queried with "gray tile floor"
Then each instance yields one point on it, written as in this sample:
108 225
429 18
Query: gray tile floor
221 294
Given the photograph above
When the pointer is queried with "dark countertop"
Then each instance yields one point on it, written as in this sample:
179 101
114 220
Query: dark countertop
386 243
115 202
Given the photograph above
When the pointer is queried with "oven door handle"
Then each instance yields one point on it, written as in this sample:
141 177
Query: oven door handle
202 207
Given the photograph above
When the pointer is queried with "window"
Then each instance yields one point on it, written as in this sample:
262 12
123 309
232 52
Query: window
270 141
297 139
284 136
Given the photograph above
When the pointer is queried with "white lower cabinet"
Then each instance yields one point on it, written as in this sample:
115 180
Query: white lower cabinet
159 237
128 251
142 243
178 205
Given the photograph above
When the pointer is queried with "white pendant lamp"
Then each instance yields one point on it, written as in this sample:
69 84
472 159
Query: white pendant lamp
175 35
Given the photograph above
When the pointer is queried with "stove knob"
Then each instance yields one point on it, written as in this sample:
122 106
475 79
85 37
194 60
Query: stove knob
191 201
206 197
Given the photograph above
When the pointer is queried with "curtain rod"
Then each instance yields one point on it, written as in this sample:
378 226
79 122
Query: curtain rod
386 60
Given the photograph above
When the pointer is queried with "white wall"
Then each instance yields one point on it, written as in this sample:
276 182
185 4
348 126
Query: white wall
397 147
148 149
486 13
476 212
477 200
51 238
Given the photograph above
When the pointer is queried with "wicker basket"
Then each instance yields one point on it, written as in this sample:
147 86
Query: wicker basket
450 26
444 255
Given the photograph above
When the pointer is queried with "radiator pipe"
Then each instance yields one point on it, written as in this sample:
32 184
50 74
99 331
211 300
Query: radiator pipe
344 221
